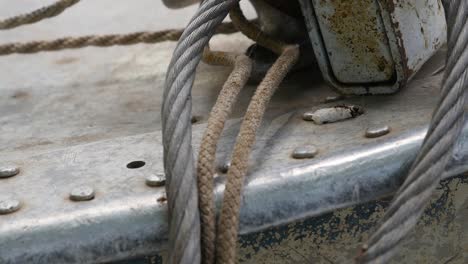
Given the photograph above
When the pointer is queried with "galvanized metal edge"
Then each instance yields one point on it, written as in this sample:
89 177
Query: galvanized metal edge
136 224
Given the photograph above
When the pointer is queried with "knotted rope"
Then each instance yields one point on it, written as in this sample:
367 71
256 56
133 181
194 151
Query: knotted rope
446 124
37 15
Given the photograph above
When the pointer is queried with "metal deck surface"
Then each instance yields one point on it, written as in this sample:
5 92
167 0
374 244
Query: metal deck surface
78 117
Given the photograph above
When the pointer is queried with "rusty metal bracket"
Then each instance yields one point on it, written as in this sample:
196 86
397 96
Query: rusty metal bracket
373 47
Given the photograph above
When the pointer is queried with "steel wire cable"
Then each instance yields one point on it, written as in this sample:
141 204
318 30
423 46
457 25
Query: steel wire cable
446 124
181 186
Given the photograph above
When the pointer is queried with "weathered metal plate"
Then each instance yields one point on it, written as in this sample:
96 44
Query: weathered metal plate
414 31
355 40
79 117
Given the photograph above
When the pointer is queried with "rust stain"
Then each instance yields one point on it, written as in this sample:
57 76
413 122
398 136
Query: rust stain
407 72
357 29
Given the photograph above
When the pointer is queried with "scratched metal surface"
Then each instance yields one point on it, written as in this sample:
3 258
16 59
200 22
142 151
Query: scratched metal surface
78 117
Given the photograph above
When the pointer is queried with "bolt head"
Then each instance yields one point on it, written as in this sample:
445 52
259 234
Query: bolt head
374 132
156 180
82 193
305 152
8 171
9 205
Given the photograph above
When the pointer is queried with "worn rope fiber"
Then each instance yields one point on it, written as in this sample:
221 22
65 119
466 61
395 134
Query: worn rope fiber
207 153
445 128
216 121
181 186
229 218
102 40
37 15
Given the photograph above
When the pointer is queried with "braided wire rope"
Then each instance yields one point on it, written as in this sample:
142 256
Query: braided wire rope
148 37
446 124
37 15
181 184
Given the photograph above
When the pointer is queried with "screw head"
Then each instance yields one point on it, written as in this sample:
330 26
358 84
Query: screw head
9 205
156 180
82 193
377 131
305 152
8 171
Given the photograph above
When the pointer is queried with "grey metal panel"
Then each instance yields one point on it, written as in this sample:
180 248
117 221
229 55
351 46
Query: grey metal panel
77 118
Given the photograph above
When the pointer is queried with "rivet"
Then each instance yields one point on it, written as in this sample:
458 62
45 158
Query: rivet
377 131
9 205
82 193
305 152
8 171
156 180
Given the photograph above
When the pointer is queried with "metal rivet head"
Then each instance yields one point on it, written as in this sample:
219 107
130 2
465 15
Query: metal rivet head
8 171
9 205
156 180
377 131
305 152
82 193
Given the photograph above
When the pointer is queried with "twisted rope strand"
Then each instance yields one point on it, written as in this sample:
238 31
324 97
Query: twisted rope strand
37 15
181 187
446 124
206 157
102 41
229 218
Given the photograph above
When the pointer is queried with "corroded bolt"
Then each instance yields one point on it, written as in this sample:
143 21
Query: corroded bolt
8 171
305 152
82 193
9 205
377 131
156 180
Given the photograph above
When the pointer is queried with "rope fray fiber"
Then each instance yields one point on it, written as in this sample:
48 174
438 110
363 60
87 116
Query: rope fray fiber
226 240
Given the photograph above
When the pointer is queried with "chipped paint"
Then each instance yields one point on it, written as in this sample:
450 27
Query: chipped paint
441 235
